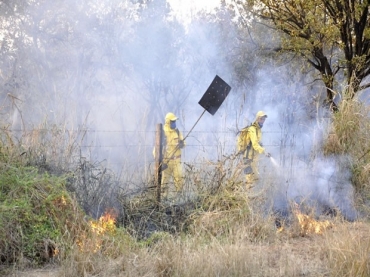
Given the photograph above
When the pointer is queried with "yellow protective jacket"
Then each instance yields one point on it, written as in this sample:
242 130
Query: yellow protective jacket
250 136
172 137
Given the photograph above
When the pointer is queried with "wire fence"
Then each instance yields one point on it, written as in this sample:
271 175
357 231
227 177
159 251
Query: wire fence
207 159
133 149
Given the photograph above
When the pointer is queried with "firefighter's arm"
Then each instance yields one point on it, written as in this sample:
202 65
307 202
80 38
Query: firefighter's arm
255 143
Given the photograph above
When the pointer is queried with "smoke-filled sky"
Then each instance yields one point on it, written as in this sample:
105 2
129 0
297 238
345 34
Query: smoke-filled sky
184 10
115 68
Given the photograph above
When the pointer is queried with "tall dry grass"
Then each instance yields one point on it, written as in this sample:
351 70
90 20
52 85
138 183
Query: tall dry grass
340 251
349 136
282 255
223 234
347 250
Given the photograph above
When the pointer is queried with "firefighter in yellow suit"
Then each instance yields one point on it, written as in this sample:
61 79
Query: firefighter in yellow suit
249 144
172 155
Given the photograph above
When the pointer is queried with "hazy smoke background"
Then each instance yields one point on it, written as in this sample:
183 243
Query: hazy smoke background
115 68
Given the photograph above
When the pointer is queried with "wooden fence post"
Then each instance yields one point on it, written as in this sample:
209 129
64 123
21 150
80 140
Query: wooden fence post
158 160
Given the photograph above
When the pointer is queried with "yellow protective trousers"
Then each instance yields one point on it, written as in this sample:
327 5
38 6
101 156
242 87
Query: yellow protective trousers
172 172
253 175
251 165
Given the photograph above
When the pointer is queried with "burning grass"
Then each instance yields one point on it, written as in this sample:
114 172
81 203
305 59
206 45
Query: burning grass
41 223
92 240
308 225
97 248
340 251
221 232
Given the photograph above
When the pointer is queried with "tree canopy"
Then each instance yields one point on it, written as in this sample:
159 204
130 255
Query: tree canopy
332 36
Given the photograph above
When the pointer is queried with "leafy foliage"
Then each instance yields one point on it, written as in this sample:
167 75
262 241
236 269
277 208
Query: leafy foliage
332 36
35 213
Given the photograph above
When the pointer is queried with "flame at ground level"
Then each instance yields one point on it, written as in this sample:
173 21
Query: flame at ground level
106 224
307 224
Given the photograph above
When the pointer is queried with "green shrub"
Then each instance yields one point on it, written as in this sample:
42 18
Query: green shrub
35 211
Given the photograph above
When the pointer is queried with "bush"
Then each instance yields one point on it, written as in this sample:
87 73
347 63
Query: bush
35 213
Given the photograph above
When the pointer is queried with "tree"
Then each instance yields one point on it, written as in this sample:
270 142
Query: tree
332 36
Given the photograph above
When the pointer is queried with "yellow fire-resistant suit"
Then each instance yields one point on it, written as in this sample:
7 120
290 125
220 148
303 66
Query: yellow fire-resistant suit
249 144
172 158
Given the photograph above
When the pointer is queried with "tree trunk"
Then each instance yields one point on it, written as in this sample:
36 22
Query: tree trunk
322 64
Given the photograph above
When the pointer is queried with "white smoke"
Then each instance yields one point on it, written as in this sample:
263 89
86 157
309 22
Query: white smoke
116 68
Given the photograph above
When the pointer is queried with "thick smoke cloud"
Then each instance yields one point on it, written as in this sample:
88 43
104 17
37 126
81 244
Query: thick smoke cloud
115 68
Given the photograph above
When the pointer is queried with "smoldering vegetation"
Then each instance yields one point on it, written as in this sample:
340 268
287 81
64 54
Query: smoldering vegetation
83 89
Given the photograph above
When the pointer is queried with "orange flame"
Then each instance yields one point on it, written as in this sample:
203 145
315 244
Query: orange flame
104 225
309 225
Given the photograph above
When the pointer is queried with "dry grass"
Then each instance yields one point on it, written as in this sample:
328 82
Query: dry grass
340 251
222 233
350 131
350 136
347 250
337 252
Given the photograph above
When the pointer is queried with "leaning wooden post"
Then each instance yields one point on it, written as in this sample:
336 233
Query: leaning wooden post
158 160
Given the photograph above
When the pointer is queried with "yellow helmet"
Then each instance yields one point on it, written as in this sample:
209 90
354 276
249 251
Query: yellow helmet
170 117
261 114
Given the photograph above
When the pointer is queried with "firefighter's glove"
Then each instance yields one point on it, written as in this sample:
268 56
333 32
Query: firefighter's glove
268 155
164 166
181 144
